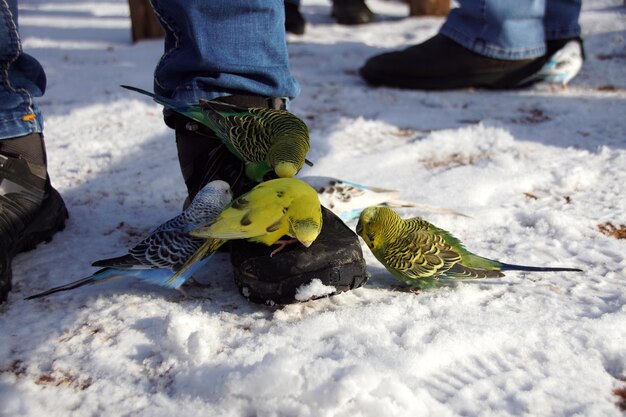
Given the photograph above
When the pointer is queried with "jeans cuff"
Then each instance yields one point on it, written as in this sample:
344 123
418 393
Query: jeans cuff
562 33
20 125
482 47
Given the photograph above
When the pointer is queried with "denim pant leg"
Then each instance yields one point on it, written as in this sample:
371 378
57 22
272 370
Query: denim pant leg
561 19
21 79
215 48
502 29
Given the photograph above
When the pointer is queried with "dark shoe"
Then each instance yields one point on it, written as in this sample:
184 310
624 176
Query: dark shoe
335 258
31 211
294 21
351 12
442 64
331 265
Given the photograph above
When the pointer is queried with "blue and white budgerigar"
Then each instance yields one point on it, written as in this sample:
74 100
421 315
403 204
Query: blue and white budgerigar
159 258
264 139
561 67
347 199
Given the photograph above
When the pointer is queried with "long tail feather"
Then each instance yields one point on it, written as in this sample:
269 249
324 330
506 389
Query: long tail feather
100 276
171 104
459 271
425 207
205 251
512 267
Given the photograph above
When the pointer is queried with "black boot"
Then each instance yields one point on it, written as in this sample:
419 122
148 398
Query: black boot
331 265
31 211
351 12
294 21
442 64
335 259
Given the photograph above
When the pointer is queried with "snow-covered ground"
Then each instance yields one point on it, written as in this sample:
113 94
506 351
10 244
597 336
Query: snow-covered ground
540 172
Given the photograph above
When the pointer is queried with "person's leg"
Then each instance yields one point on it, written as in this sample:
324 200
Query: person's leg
501 29
483 43
294 21
21 79
561 19
351 12
236 52
31 211
218 48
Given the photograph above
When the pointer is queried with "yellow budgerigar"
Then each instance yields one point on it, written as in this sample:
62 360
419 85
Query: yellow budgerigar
271 210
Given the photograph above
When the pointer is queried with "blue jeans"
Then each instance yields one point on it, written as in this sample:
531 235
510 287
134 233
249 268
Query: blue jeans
512 29
216 48
21 79
212 48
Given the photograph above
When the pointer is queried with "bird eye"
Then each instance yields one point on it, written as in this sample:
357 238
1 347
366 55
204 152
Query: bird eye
370 237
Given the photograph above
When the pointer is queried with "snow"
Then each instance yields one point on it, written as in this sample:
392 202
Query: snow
538 170
314 289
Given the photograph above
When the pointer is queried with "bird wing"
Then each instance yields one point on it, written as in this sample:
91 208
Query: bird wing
162 249
243 130
346 197
420 254
248 223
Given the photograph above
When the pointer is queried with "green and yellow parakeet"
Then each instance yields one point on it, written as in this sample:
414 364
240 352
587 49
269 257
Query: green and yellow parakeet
419 253
264 139
271 210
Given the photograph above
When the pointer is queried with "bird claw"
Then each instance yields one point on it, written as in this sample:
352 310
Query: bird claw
406 288
281 245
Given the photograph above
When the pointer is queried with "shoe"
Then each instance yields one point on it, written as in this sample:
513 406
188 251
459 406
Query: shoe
294 21
351 12
31 211
332 264
442 64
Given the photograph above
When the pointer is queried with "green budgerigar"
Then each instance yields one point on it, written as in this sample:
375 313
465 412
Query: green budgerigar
264 139
421 255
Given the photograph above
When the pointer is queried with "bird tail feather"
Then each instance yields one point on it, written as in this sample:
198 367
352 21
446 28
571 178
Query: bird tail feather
171 104
100 276
512 267
425 207
204 252
464 272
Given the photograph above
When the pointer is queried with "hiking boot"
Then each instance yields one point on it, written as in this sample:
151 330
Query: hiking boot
351 12
31 211
442 64
332 264
294 21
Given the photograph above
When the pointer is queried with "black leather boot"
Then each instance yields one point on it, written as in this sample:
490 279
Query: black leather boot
294 21
351 12
31 211
442 64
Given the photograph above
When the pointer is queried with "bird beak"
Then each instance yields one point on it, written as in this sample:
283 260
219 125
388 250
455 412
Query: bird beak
306 244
